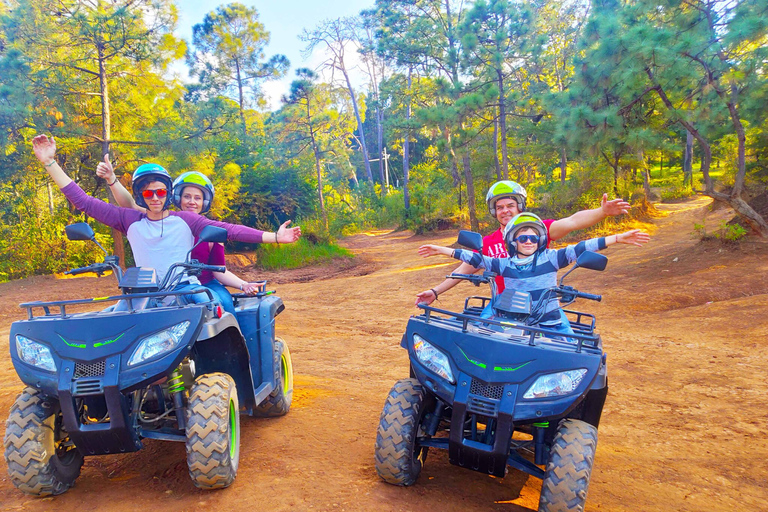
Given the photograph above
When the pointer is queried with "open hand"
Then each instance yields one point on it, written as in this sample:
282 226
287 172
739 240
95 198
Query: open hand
633 237
286 235
254 288
44 148
614 206
426 297
105 170
429 250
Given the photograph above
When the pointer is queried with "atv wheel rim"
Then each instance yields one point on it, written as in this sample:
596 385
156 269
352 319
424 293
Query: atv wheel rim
232 433
284 373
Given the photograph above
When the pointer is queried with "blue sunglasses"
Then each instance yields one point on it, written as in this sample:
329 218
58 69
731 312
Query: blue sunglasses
527 238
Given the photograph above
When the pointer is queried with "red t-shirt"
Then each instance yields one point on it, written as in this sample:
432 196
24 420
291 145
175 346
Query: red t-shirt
493 246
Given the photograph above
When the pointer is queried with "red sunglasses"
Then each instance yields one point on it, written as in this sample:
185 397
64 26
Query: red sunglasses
159 192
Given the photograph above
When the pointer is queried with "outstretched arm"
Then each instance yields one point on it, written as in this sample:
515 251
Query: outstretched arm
631 237
429 296
587 218
567 255
45 151
122 196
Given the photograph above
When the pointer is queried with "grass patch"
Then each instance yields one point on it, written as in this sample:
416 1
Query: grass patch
300 254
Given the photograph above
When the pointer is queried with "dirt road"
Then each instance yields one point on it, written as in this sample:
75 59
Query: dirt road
684 324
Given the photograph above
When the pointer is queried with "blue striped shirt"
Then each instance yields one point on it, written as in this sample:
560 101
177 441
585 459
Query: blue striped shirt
534 279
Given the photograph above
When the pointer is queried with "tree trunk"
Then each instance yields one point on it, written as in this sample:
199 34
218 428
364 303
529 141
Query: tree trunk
241 97
380 140
563 164
496 145
503 126
451 156
688 160
318 168
363 144
646 177
50 196
406 153
475 226
106 134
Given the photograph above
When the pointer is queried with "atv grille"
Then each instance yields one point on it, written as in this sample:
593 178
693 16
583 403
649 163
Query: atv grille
87 386
482 406
89 370
486 390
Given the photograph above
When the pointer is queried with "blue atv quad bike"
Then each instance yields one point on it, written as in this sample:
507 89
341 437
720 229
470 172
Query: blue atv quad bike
500 391
150 366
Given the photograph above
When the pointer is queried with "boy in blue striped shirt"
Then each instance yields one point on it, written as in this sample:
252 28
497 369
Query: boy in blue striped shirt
532 267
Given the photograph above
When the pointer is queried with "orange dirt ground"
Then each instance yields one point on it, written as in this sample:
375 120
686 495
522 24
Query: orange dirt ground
684 324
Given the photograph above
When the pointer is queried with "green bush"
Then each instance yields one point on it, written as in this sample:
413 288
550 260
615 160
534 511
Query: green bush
300 254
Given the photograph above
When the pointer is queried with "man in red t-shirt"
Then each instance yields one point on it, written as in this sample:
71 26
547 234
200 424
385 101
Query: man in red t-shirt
506 199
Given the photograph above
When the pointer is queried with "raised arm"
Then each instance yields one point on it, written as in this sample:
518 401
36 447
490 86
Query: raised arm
122 196
45 151
119 218
587 218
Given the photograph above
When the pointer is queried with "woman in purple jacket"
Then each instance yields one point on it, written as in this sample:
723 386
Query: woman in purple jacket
158 237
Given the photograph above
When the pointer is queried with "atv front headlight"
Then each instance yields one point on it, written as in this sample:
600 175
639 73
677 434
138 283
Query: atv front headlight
159 343
556 384
34 353
432 358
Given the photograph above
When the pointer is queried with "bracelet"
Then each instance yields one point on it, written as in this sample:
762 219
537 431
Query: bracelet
276 240
433 291
51 163
110 184
241 287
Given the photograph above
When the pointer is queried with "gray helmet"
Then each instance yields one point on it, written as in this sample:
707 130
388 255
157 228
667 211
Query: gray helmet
519 222
502 189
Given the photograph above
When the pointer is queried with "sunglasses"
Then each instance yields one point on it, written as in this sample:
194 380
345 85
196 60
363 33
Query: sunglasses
534 239
159 192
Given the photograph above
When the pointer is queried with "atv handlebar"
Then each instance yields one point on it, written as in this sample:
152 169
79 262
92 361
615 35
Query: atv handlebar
98 268
472 278
570 294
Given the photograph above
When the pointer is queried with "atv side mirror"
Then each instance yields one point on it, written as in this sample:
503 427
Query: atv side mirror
471 240
592 261
82 231
210 234
213 234
79 231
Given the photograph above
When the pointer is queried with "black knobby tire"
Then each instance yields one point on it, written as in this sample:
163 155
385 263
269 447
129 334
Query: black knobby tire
213 431
38 461
566 481
278 403
398 458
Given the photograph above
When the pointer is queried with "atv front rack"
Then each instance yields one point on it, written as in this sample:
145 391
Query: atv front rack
583 333
129 298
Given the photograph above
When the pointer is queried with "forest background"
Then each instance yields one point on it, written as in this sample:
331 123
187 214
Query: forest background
644 99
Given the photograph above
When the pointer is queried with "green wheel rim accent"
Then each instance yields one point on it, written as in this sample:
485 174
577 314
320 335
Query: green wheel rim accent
284 373
232 433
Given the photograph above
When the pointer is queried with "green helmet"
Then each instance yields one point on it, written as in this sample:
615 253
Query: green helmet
502 189
519 222
193 179
147 173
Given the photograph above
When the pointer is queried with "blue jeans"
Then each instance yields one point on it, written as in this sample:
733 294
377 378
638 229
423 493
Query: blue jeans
221 295
192 298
